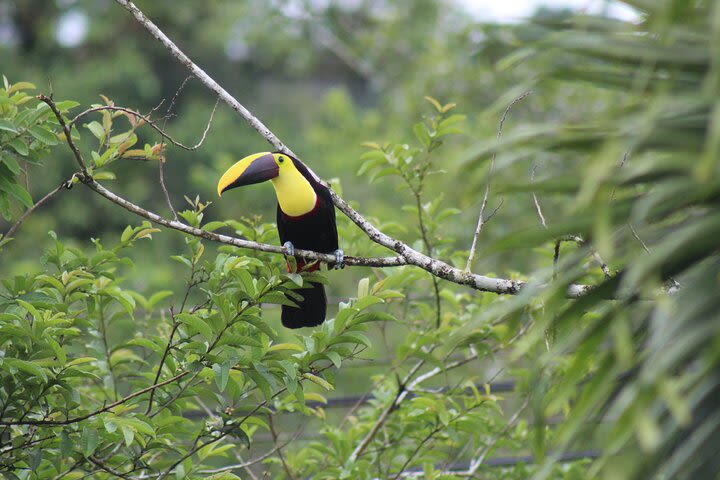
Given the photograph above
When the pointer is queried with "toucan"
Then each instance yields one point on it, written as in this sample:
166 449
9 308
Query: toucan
305 220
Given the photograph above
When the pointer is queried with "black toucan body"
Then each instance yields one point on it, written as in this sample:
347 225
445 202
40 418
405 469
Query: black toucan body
305 220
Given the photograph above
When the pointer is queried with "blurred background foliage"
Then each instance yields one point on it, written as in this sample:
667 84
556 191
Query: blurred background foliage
618 140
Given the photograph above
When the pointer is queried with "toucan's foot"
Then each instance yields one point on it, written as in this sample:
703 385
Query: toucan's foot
289 249
339 259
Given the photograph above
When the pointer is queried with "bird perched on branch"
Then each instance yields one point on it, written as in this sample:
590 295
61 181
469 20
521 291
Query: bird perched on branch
305 220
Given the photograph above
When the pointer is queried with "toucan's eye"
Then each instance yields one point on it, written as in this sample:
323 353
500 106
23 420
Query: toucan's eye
280 159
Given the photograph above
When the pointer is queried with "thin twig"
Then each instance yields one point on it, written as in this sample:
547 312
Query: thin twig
481 217
166 194
572 238
175 324
11 232
222 435
106 348
438 428
482 454
637 237
149 121
66 131
162 362
255 460
622 164
535 200
4 450
399 397
556 259
107 469
106 408
161 162
274 434
428 247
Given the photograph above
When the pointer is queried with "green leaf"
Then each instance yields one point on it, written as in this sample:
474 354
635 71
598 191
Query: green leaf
296 278
335 358
363 287
7 126
144 342
25 366
224 476
96 129
277 298
222 374
181 259
261 382
372 317
319 381
157 296
43 135
342 318
286 346
66 444
648 432
139 425
81 360
55 346
261 325
20 146
16 87
315 397
16 191
90 440
12 164
197 324
445 126
422 134
434 103
212 226
30 309
66 105
104 175
128 434
367 301
351 337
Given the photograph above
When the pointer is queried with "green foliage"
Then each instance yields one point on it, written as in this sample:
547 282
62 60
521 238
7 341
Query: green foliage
27 130
82 353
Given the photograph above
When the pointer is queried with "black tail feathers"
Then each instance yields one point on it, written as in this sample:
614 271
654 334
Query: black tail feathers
311 309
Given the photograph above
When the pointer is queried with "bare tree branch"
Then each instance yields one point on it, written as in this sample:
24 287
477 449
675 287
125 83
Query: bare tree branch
149 121
481 217
235 241
535 200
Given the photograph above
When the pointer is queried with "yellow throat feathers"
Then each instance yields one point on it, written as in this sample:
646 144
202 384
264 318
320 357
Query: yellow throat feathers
294 193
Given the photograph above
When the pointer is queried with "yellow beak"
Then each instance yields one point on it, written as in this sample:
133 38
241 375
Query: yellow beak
254 168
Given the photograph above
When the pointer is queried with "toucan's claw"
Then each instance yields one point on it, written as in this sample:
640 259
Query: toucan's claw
289 249
339 259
